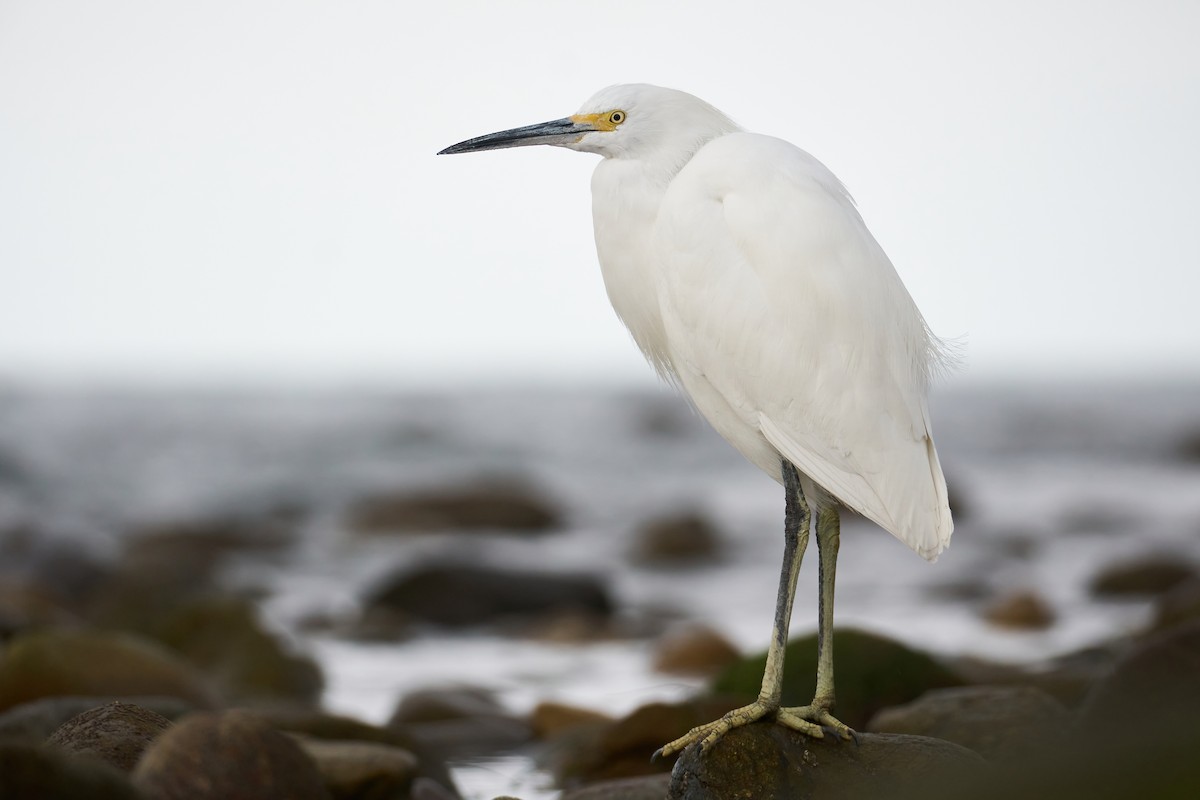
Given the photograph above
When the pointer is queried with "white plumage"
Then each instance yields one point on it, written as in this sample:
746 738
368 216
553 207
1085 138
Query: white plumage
745 273
747 277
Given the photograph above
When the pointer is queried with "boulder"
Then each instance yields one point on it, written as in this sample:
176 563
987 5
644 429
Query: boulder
648 787
28 771
1177 606
314 724
460 722
478 509
695 650
1021 610
622 749
1145 577
1001 723
36 720
548 720
56 663
223 637
460 596
680 539
871 672
230 755
354 770
766 761
117 733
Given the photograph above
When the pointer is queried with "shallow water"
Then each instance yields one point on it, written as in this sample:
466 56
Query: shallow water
1054 483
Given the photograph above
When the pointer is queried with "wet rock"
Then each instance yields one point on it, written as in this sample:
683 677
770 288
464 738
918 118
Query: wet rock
676 540
1178 605
649 787
468 595
117 733
460 722
230 755
1021 610
426 789
224 638
1143 577
548 720
1136 734
623 748
1066 678
781 763
1155 686
355 770
38 719
55 663
27 771
872 672
167 565
315 724
497 508
211 539
27 607
1001 723
696 650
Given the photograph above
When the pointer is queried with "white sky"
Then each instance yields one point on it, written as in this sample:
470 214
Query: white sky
248 190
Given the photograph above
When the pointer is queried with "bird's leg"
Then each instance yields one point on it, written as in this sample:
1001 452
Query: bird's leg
803 718
795 530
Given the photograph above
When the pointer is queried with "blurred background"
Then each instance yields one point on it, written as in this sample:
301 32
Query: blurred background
254 334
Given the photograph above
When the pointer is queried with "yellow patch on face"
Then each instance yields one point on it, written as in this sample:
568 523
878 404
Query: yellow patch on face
607 121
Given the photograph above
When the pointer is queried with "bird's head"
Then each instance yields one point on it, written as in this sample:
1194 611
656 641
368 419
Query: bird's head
625 121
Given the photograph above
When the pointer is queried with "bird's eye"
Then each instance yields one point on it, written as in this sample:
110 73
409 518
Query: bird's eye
616 117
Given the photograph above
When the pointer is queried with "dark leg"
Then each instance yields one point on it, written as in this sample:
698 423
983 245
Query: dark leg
796 531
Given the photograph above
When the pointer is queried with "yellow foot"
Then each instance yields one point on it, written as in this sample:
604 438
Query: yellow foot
710 732
812 719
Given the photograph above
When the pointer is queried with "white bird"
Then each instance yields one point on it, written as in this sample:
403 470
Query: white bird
747 277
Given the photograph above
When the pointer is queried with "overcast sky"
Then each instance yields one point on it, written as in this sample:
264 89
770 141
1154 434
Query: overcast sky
243 190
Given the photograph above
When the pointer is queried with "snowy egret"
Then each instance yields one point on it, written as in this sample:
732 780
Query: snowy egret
746 275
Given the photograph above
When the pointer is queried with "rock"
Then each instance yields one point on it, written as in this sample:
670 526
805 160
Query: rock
548 720
460 722
117 733
496 508
41 773
223 637
26 607
675 540
696 650
1142 577
1136 734
1001 723
353 770
1178 605
872 672
468 595
230 755
1022 610
211 539
783 764
649 787
623 748
319 725
55 663
34 721
425 789
1155 686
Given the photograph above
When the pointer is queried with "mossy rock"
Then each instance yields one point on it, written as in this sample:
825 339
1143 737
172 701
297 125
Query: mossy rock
871 672
60 663
224 638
